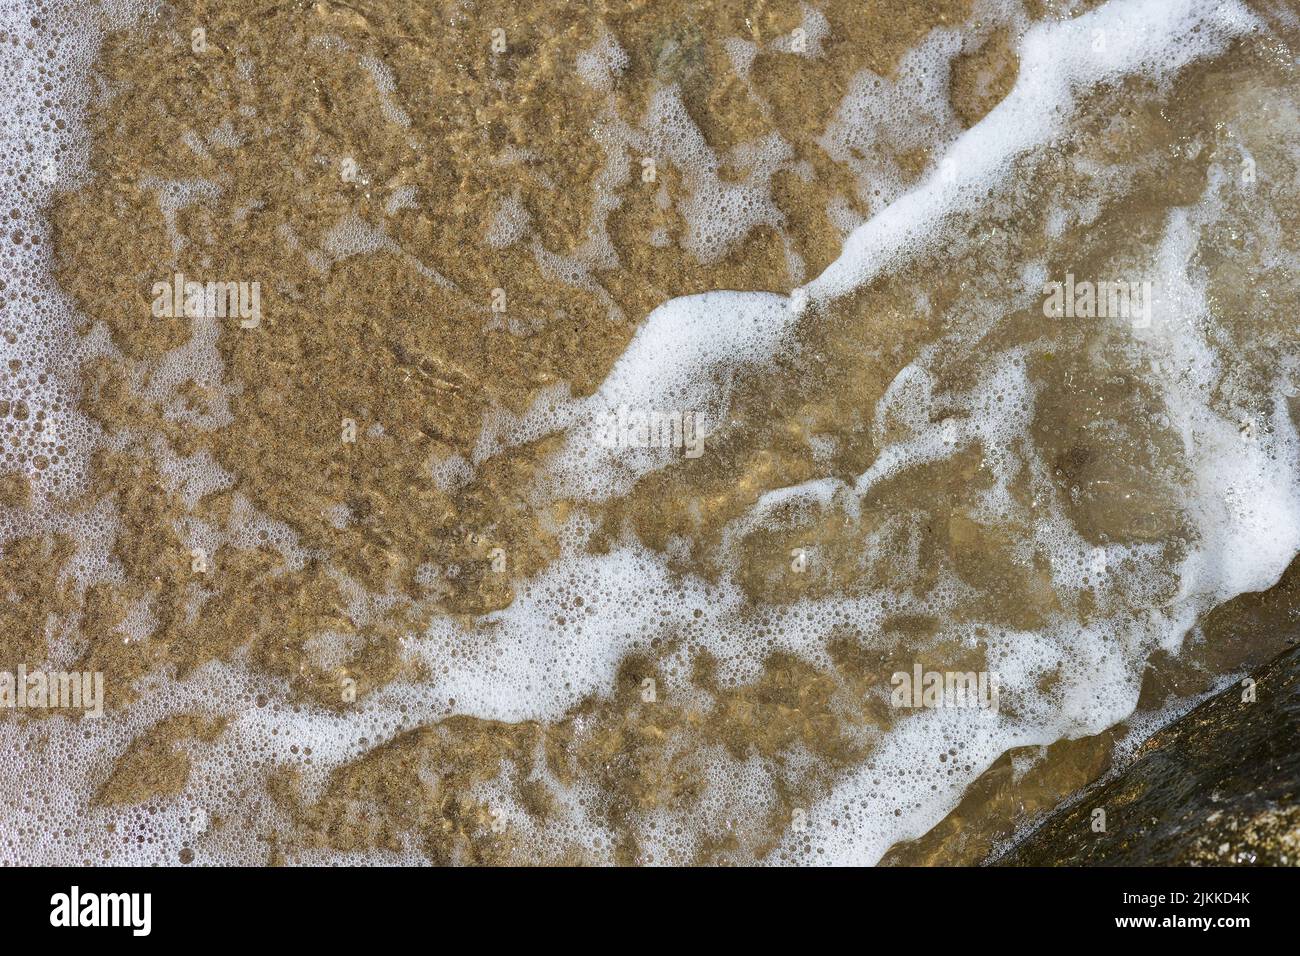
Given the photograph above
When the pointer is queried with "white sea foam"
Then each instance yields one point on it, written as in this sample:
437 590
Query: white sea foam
1058 61
569 626
687 346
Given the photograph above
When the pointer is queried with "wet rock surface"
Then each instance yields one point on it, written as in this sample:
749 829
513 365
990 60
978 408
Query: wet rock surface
1217 787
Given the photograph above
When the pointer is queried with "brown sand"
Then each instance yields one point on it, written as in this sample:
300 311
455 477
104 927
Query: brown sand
374 338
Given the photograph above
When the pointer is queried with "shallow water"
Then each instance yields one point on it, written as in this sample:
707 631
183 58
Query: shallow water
617 410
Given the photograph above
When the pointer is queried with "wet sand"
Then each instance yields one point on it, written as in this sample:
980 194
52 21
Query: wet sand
446 235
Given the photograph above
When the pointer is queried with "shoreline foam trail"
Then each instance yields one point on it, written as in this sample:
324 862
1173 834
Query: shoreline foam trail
1151 37
951 438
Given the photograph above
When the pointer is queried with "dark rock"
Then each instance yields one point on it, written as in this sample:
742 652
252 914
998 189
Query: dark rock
1219 786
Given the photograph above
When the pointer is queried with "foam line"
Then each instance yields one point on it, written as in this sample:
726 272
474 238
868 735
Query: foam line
1057 62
